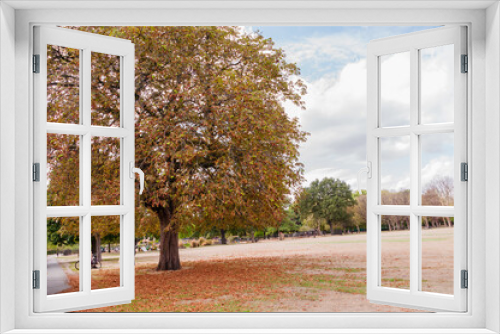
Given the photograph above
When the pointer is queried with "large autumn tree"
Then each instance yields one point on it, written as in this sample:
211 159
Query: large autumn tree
212 134
63 151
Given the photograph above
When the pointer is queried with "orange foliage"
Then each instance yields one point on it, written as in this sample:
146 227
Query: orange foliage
221 285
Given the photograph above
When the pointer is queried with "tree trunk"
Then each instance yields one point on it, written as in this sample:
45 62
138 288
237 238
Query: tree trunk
96 246
109 247
331 228
169 243
223 239
136 241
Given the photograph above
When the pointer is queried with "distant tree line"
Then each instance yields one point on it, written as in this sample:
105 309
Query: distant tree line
330 204
326 206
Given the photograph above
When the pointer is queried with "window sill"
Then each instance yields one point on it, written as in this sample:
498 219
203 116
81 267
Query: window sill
253 331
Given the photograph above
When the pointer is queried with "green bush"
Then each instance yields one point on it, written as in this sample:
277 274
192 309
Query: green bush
270 231
305 228
259 234
52 247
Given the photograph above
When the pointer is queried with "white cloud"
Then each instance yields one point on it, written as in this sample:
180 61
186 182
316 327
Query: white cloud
336 119
393 182
336 111
248 30
395 89
343 174
341 47
442 166
437 82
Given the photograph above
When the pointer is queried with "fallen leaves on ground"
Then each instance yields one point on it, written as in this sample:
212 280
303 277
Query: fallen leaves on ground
235 285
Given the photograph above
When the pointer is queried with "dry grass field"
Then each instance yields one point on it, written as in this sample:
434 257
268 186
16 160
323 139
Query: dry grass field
323 274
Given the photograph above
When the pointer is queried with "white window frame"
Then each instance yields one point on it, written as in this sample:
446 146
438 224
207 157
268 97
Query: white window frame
86 43
483 21
412 44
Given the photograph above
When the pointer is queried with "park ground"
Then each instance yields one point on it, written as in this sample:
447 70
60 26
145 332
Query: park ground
322 274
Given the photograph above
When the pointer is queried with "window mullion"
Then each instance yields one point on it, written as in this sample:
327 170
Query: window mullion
414 172
86 163
81 258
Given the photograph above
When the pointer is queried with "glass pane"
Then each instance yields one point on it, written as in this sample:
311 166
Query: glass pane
437 169
105 89
105 171
63 84
63 170
395 251
437 254
63 255
395 89
105 252
437 84
395 170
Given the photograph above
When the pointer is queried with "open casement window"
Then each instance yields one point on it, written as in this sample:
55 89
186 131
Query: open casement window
416 144
84 164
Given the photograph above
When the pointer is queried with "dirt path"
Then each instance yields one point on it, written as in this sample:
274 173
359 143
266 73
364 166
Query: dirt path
329 245
57 280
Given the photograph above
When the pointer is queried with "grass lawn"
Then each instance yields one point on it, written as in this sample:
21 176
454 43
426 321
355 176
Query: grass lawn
237 285
326 274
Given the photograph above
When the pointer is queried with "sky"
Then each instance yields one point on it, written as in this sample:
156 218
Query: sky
333 65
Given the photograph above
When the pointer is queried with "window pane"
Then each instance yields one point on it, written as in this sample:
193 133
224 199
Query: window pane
63 170
395 89
437 84
437 254
105 171
395 170
63 84
63 255
395 252
437 169
105 89
105 252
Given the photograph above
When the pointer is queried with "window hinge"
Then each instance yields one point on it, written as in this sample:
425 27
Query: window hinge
465 279
36 172
465 64
36 63
464 172
36 279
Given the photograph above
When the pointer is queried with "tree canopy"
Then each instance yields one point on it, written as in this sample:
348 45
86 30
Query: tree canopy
212 136
328 199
